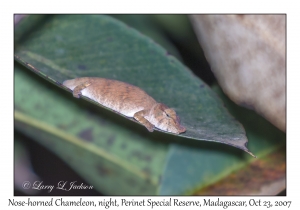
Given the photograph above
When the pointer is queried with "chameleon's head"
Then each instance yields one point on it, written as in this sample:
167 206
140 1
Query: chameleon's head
166 119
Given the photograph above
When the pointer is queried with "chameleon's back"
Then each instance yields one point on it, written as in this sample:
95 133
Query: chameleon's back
119 96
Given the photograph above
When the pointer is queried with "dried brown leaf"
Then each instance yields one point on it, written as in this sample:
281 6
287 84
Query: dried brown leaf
247 56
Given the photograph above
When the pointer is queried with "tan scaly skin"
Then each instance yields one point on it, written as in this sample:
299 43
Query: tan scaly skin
128 100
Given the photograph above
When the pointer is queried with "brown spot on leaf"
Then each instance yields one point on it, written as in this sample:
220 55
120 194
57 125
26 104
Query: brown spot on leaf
110 141
86 134
103 171
141 156
81 67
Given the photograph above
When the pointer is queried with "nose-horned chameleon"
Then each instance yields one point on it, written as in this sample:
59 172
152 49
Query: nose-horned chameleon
128 100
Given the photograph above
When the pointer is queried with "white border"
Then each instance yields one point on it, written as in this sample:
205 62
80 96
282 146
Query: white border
293 105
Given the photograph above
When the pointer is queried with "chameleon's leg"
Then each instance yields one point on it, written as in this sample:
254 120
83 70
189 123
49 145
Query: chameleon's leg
139 116
77 90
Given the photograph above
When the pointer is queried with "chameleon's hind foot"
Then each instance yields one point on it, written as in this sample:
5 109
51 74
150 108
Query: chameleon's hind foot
77 90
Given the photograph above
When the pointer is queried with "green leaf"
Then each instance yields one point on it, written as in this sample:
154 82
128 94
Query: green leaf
69 46
149 27
22 166
203 164
178 27
114 158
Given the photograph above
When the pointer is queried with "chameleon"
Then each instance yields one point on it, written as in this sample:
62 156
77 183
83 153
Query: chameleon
128 100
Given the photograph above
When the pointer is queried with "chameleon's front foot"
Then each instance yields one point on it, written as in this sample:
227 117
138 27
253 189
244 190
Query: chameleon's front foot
150 127
139 116
77 90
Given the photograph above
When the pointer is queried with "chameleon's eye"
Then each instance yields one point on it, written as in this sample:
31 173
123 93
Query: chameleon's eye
170 113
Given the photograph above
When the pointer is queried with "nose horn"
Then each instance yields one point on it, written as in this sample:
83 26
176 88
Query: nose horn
181 129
